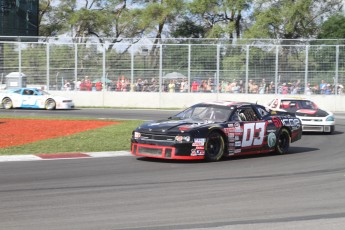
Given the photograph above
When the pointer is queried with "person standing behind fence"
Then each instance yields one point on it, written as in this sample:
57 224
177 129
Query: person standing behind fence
184 86
87 84
308 90
98 86
139 85
171 86
323 86
77 85
285 89
235 87
271 88
253 87
195 86
67 86
329 89
262 87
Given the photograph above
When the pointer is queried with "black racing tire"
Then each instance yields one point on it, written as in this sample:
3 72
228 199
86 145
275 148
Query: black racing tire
214 146
50 104
7 103
283 141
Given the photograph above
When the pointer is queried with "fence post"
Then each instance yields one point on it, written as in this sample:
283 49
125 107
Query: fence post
132 67
218 66
76 61
189 61
306 68
336 70
247 69
20 57
104 77
160 69
276 74
48 67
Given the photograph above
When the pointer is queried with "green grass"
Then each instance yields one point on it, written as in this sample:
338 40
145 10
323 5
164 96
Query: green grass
109 138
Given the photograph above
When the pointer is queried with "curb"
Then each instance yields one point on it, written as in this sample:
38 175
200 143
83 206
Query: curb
59 156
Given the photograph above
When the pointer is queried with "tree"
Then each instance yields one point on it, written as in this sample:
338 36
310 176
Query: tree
82 19
188 29
333 28
221 18
48 23
290 19
157 14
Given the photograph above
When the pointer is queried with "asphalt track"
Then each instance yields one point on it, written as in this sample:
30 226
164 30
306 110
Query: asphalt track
300 190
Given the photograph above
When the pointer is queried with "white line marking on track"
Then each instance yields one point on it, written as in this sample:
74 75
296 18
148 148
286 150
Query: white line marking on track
109 154
8 158
19 158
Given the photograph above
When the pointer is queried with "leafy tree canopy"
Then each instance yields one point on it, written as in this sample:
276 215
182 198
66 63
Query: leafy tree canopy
117 19
287 19
333 28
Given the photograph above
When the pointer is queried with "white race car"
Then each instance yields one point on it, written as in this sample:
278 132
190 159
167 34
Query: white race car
313 118
35 99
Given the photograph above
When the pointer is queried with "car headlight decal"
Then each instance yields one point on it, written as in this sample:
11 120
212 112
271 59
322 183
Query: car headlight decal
137 135
180 138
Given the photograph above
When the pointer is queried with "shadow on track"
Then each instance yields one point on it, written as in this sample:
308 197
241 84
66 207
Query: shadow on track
293 150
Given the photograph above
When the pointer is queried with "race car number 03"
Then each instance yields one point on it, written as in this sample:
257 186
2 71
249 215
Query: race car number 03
248 134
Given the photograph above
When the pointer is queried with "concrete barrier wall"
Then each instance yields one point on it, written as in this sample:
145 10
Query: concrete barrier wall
182 100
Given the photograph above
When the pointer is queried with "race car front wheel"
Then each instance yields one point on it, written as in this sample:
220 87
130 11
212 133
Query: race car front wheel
283 141
50 104
214 147
7 103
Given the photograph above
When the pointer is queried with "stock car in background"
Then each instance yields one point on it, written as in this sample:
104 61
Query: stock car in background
313 118
34 98
214 130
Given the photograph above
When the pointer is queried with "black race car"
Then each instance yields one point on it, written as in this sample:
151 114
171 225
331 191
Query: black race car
214 130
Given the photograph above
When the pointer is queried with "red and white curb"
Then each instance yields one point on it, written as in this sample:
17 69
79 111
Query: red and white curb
57 156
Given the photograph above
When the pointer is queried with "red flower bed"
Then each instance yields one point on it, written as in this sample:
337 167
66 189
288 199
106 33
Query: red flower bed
22 131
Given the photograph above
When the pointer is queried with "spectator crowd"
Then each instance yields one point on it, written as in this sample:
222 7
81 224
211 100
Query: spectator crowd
262 86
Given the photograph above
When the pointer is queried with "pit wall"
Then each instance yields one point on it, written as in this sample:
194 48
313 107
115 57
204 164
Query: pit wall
334 103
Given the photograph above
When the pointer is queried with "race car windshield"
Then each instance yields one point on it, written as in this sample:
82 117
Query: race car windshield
308 105
210 113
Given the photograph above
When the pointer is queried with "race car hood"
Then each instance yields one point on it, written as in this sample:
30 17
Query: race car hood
172 125
312 113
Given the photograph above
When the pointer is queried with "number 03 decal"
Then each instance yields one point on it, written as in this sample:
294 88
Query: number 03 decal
248 134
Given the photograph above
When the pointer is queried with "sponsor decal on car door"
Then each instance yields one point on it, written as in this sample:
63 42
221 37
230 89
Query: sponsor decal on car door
29 100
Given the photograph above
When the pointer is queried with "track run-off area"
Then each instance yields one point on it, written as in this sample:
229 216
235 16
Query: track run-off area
300 190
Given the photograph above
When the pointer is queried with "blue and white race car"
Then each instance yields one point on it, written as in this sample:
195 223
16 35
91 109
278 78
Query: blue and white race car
34 98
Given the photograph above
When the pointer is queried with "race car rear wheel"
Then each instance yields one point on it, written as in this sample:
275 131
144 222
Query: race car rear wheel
283 141
50 104
214 147
7 103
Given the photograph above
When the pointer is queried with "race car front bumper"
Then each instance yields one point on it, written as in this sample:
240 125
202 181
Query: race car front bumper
65 105
164 152
318 128
317 124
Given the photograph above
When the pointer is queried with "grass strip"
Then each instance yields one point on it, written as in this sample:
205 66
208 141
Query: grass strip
109 138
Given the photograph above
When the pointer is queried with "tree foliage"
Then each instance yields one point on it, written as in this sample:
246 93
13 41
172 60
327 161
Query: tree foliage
286 19
221 18
333 28
187 28
118 19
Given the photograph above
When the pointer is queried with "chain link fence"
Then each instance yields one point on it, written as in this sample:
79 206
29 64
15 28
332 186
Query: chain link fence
178 65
